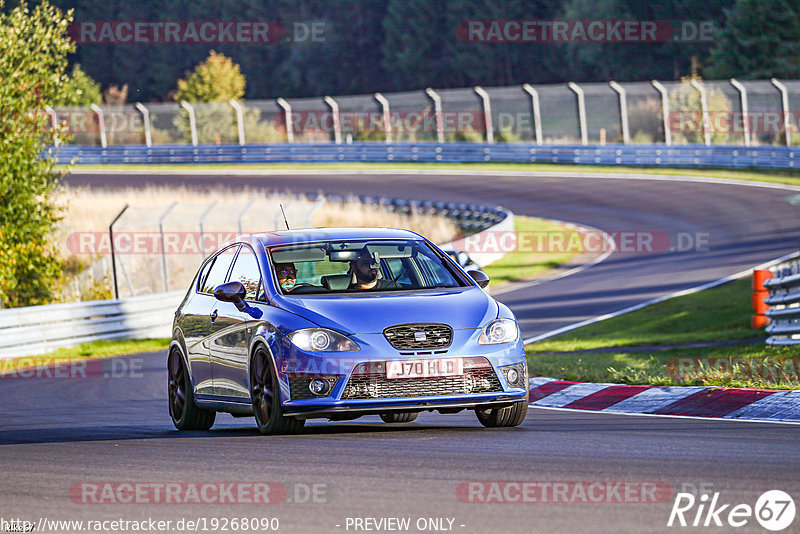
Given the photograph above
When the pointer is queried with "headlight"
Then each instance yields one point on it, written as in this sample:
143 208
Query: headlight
499 331
322 340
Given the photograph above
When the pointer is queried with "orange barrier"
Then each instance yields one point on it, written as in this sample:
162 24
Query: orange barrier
760 294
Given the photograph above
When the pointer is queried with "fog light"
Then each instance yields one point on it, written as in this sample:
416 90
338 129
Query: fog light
513 375
319 386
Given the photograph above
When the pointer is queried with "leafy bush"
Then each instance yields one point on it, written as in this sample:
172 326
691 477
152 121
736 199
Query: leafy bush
33 62
80 90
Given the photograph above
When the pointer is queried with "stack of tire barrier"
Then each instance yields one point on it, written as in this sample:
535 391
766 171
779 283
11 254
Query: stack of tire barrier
469 217
784 305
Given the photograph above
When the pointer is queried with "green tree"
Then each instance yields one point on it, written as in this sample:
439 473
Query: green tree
503 63
217 79
761 39
80 90
213 83
417 50
33 62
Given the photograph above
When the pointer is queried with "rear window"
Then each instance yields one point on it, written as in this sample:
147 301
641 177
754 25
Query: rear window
361 266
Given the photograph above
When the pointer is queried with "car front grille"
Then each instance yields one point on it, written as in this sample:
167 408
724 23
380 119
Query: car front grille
369 381
419 336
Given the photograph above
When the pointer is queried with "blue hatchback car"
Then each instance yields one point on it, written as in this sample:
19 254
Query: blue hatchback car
338 323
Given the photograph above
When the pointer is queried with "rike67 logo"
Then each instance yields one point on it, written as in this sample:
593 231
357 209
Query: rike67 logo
774 510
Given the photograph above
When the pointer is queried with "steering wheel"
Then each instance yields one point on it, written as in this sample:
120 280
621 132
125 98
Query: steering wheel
307 288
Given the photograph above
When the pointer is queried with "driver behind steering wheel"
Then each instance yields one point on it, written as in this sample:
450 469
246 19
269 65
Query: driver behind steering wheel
287 275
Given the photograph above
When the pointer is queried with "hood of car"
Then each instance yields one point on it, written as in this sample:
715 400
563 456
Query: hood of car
368 313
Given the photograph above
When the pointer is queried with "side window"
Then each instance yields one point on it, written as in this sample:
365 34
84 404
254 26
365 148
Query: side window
246 271
434 273
219 268
400 271
201 278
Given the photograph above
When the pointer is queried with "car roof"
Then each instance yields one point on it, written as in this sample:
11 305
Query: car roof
288 237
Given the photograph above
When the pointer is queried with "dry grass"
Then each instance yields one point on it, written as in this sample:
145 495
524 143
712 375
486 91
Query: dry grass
228 212
90 210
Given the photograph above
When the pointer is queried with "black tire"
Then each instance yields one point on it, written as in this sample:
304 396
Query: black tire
512 415
186 415
401 417
265 395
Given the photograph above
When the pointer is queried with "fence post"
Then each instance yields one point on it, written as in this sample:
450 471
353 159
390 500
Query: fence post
537 112
54 123
487 113
318 203
200 224
239 119
113 258
101 122
164 270
192 121
337 126
148 139
581 112
760 293
623 110
703 110
287 111
664 110
387 116
787 120
242 213
745 119
437 113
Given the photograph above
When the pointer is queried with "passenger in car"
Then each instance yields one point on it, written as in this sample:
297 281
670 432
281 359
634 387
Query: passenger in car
366 271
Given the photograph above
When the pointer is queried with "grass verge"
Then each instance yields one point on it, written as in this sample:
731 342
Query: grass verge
95 349
522 265
642 339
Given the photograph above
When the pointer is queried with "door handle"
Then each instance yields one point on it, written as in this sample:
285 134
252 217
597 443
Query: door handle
214 315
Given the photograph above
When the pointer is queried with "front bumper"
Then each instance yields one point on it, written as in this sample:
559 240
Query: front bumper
357 391
356 409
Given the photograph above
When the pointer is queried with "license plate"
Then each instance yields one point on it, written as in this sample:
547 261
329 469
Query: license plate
425 368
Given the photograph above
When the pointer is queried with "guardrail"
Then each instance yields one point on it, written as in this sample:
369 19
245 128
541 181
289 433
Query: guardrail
39 329
777 157
784 302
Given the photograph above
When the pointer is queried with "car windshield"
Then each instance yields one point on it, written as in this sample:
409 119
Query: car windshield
361 266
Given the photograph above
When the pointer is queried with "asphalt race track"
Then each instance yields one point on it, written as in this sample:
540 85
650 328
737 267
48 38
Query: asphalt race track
57 434
743 226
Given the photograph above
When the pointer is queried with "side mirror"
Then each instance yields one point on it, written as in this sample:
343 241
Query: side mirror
480 278
231 292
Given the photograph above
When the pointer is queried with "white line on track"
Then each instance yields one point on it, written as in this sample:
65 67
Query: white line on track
690 417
